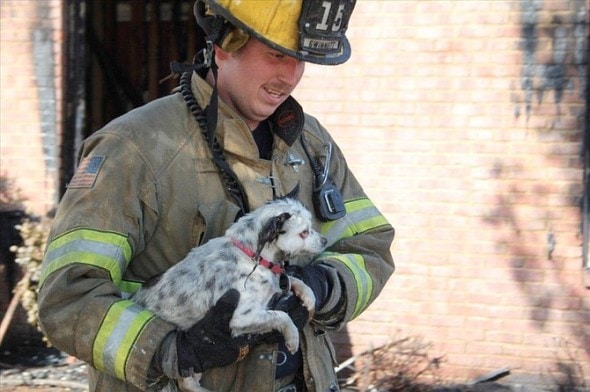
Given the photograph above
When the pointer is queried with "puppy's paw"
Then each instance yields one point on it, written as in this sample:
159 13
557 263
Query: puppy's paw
190 384
292 340
304 293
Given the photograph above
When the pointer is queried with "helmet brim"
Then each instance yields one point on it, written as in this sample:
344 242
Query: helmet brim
317 58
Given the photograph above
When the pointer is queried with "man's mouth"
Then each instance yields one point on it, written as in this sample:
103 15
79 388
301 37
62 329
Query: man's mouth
274 93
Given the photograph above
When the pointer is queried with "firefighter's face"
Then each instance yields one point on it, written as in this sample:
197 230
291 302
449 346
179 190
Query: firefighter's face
255 80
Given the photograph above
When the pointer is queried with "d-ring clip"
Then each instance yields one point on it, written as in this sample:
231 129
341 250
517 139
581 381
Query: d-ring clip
279 363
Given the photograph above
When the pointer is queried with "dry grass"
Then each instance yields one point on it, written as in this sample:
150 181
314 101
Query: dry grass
401 365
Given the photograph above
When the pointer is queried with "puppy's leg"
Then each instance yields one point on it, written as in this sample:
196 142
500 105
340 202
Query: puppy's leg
192 384
304 293
260 321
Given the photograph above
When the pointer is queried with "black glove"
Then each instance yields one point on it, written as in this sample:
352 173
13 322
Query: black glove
317 278
292 305
209 342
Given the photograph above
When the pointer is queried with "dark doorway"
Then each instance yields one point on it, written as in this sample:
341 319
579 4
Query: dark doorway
117 52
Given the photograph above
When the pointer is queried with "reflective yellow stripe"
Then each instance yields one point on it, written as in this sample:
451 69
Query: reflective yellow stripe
364 283
107 250
128 287
361 216
116 337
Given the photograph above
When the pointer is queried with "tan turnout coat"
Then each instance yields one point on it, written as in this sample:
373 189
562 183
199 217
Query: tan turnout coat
145 192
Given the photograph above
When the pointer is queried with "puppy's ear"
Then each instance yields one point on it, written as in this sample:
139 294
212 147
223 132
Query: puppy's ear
271 230
293 194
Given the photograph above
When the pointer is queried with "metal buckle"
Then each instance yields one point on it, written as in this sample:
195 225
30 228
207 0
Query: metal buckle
288 388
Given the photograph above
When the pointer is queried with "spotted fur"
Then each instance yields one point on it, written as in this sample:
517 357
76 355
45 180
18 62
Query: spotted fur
279 230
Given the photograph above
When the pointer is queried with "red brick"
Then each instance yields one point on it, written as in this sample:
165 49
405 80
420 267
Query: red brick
425 111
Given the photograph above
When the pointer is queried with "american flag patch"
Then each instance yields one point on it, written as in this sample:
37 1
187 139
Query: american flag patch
86 173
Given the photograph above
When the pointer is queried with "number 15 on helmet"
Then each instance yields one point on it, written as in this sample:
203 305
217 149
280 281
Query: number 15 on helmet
309 30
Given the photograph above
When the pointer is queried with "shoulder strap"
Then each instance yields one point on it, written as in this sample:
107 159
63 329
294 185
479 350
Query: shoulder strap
233 187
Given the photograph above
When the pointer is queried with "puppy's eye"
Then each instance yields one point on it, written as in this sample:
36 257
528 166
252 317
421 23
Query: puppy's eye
304 234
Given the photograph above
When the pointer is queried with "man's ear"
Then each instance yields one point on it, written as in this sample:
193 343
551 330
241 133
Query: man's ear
220 55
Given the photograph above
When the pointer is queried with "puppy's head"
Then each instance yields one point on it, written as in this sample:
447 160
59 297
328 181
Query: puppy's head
287 230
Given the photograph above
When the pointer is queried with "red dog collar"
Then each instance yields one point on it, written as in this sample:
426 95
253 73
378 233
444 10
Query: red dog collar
275 268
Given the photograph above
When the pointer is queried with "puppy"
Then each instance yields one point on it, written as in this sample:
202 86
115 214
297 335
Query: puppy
248 258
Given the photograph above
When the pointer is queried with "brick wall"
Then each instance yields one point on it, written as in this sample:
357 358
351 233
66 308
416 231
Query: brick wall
31 77
30 114
464 122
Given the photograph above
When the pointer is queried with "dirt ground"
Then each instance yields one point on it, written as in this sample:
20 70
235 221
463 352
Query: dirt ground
34 367
31 366
33 389
37 386
48 378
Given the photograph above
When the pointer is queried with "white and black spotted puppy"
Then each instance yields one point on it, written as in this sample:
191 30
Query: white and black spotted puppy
247 258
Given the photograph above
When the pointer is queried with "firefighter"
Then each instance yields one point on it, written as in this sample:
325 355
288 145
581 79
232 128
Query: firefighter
177 172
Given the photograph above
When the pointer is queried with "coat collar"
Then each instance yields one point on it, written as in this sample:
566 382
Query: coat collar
287 121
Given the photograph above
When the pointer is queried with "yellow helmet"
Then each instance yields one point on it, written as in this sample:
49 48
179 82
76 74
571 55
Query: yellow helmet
309 30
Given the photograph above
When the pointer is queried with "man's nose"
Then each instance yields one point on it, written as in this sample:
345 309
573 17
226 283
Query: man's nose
291 71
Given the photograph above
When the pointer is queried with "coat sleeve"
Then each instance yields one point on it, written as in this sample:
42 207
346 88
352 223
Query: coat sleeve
358 258
101 222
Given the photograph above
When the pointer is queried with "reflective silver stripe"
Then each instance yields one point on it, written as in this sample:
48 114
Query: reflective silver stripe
110 251
362 278
116 337
356 221
87 246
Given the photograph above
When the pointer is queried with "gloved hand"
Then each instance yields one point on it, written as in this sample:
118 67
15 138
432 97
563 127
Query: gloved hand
209 342
317 278
292 305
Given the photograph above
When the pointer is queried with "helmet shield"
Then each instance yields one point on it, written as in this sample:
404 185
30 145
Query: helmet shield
322 25
309 30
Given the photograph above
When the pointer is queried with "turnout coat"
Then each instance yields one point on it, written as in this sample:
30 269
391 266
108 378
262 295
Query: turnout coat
145 192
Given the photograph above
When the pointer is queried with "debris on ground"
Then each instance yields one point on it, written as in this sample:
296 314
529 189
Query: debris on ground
37 369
